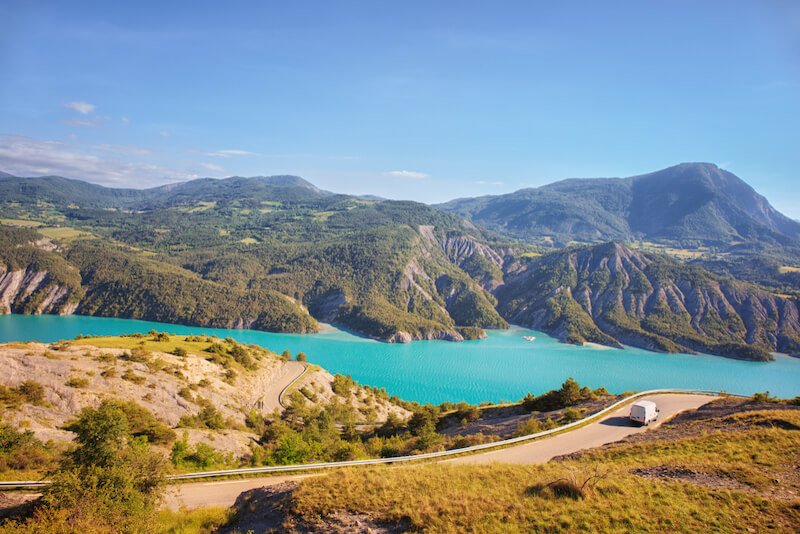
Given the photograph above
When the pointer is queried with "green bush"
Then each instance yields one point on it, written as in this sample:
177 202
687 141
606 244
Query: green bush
208 417
110 482
29 392
77 382
23 451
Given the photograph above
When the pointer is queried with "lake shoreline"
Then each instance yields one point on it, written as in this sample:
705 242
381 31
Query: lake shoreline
502 366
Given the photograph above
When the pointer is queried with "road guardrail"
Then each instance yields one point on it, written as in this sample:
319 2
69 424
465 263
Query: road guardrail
402 459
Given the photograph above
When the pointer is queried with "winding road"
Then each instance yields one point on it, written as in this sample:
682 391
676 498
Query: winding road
291 373
612 427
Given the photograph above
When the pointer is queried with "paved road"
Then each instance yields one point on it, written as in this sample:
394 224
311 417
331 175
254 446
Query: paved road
219 493
613 427
291 371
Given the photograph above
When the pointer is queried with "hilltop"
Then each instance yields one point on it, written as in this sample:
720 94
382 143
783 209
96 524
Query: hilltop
690 202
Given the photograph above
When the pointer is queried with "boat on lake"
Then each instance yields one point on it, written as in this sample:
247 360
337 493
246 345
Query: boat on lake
529 338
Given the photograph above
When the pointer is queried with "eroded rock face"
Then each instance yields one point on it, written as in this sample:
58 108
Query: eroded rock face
612 294
33 291
443 335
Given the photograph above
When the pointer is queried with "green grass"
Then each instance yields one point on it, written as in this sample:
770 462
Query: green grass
128 342
21 222
200 206
506 498
198 521
63 233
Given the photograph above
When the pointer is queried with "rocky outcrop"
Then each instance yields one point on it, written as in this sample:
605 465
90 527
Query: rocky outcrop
443 335
614 295
34 291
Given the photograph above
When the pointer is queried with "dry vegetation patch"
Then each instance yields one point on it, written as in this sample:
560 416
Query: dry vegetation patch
735 466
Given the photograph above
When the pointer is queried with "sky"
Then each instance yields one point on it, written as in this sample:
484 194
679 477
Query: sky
423 100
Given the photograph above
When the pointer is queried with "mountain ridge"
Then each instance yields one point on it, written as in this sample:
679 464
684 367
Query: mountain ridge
686 202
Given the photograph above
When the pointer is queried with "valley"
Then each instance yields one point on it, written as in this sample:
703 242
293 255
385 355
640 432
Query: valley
278 254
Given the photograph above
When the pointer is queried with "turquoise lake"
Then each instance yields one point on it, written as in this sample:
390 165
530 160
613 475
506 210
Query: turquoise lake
502 367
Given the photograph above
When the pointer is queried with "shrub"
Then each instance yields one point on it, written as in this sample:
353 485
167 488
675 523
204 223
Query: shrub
180 352
530 426
130 376
342 385
29 392
160 337
763 397
301 357
22 451
105 357
138 355
208 417
111 372
467 412
77 382
201 456
32 391
110 482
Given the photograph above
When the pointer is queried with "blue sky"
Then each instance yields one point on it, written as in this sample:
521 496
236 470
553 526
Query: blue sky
423 100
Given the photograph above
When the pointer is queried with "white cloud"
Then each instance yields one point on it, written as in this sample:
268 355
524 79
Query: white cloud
482 182
213 167
78 123
165 133
125 120
23 156
124 149
91 122
229 153
411 175
83 108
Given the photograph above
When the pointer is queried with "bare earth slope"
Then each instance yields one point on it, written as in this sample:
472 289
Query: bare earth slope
82 373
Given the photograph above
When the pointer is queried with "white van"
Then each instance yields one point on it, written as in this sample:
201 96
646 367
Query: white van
642 412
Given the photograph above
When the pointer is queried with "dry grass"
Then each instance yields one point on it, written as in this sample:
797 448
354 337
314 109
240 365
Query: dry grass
199 521
20 222
788 269
505 498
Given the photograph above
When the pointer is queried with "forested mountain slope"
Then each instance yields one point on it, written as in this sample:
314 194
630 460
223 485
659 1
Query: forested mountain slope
279 254
690 202
262 253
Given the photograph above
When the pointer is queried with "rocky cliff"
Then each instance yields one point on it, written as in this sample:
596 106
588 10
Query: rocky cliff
34 291
34 277
614 295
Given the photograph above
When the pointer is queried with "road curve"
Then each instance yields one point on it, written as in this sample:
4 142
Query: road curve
610 428
291 371
613 427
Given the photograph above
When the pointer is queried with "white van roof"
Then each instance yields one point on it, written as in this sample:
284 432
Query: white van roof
645 404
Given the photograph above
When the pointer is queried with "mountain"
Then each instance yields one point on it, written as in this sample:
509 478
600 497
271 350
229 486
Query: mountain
613 295
690 202
65 191
271 253
279 254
